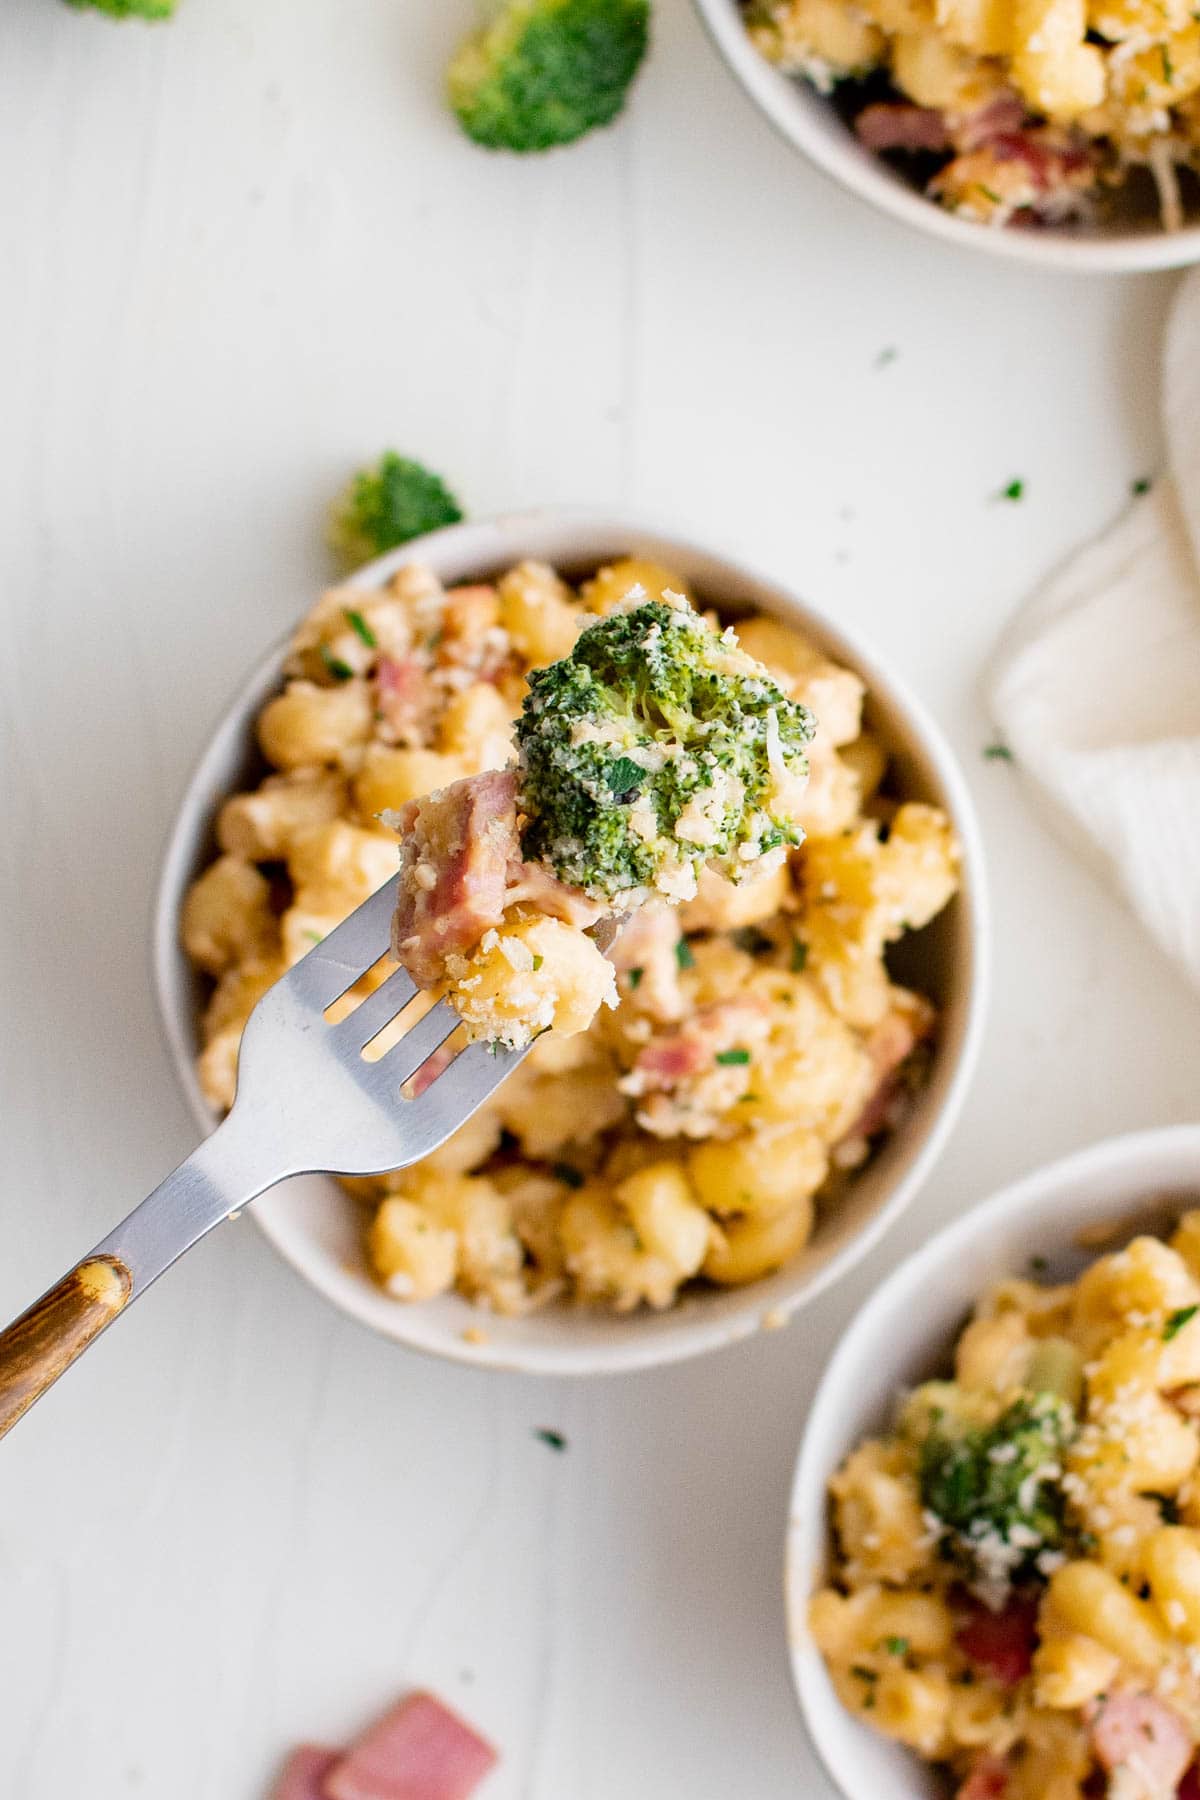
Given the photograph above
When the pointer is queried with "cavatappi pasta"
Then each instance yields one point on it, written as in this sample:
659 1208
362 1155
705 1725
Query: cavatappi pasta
760 1046
1015 1591
1012 110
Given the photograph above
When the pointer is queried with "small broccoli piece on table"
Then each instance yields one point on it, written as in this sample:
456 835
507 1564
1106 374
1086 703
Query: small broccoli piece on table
128 9
657 746
544 72
387 504
996 1490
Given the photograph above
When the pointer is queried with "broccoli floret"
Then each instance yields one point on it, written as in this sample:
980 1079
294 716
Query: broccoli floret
386 505
996 1490
128 9
544 72
657 745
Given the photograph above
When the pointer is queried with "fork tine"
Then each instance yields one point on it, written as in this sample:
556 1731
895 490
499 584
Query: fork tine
348 951
459 1091
373 1013
388 1075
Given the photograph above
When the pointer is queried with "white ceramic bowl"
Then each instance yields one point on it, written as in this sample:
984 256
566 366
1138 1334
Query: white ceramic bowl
319 1230
809 121
905 1333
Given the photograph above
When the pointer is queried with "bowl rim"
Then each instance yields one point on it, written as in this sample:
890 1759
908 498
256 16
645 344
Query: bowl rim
489 542
1142 1158
789 108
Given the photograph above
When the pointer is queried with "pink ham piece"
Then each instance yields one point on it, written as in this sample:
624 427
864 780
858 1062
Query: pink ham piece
419 1750
901 127
405 698
1146 1740
679 1055
303 1775
999 1644
988 1780
999 117
454 856
429 1070
890 1044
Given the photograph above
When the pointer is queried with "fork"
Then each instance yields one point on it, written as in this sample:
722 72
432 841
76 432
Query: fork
308 1099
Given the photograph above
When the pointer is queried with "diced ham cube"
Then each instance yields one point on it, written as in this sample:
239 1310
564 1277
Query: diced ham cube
303 1775
890 1044
419 1750
897 126
431 1068
454 856
677 1056
405 698
997 118
999 1644
1146 1740
988 1780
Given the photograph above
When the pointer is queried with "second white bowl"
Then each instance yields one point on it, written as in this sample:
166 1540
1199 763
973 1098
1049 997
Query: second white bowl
905 1333
319 1229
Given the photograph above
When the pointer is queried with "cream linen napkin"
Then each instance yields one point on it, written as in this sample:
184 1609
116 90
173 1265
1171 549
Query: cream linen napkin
1096 687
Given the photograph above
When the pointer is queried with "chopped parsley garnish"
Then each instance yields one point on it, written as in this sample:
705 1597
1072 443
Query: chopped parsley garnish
886 357
684 954
896 1646
996 200
566 1172
625 775
1141 486
554 1439
1014 491
635 977
316 936
1168 65
537 963
1177 1320
733 1058
359 625
341 671
997 753
799 955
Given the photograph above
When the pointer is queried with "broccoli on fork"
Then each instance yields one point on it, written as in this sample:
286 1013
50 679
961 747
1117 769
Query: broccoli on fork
544 72
657 746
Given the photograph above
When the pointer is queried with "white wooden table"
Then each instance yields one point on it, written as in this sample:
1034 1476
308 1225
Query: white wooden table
240 254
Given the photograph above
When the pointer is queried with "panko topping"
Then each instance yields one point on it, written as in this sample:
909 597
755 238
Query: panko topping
759 1049
1015 1588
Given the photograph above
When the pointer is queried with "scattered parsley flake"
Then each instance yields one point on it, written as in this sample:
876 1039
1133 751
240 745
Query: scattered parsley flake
554 1439
996 200
537 963
1168 65
1141 486
635 977
799 955
997 753
886 357
1177 1320
316 936
896 1646
624 776
733 1058
341 671
1014 491
684 954
359 625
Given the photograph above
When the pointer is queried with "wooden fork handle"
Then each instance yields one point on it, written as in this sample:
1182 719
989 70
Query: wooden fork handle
43 1343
